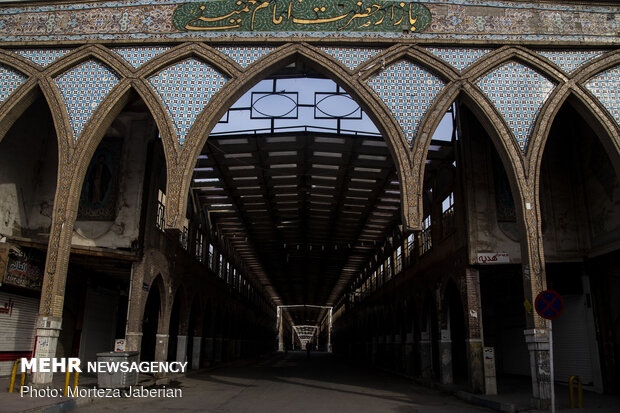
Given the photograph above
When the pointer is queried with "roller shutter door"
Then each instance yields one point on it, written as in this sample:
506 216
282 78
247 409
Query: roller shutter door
572 345
18 316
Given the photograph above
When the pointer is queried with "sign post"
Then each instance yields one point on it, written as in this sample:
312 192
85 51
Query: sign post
549 305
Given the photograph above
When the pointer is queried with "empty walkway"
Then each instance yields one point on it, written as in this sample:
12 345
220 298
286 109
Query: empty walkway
293 383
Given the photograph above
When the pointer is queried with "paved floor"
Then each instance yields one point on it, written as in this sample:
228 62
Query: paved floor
291 383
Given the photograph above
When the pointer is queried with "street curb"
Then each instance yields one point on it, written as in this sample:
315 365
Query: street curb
481 401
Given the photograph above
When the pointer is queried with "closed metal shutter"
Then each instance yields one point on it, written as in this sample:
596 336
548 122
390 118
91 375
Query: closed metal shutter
572 345
99 329
18 316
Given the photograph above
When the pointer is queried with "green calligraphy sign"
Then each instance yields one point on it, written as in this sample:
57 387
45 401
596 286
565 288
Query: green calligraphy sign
302 15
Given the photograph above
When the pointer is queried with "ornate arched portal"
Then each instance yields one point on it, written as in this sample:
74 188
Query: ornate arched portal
188 73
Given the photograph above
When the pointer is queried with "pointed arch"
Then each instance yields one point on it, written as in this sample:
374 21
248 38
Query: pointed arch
208 55
16 103
159 283
19 63
491 120
595 116
589 107
596 66
95 51
211 57
180 180
495 59
415 55
376 60
449 76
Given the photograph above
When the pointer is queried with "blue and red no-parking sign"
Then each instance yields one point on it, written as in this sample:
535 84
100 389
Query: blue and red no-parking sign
549 304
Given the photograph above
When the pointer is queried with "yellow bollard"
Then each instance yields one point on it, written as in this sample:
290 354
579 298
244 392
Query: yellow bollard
13 374
67 379
66 388
75 380
571 396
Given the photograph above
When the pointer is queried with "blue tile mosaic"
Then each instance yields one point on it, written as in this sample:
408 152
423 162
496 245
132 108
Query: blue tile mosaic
137 56
245 55
9 81
83 88
185 88
459 58
351 57
606 88
518 92
408 90
569 60
42 57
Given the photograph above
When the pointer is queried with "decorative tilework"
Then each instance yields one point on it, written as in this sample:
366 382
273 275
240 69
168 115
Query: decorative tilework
83 88
518 92
408 90
451 19
9 81
42 57
351 57
569 60
185 89
458 57
137 56
245 55
606 88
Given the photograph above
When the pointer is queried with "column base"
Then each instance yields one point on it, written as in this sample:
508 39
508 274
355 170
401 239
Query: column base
540 367
46 341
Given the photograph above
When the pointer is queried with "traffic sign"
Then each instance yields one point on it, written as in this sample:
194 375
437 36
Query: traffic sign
549 304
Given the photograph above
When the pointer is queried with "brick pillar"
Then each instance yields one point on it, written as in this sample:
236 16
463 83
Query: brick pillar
218 349
161 350
133 330
445 357
409 352
196 347
208 349
474 339
49 321
426 362
373 349
181 348
535 281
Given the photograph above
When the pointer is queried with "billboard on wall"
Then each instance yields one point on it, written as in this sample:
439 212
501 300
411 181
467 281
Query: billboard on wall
23 267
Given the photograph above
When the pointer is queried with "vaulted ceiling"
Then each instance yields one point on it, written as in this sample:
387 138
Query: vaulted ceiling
303 210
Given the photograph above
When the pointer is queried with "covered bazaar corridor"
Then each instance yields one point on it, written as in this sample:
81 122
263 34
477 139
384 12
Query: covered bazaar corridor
392 203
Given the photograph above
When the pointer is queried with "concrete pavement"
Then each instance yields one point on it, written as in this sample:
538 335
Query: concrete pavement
292 383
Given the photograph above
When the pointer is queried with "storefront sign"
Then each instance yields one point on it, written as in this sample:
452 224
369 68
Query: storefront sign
25 269
486 258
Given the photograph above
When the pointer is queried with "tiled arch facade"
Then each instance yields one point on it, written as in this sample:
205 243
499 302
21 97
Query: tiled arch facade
429 74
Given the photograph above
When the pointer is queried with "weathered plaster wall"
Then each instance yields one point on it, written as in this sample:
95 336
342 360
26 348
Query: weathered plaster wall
124 230
485 235
28 167
580 194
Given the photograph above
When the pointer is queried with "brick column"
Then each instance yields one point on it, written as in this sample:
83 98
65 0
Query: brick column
425 353
534 281
475 337
196 352
181 348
